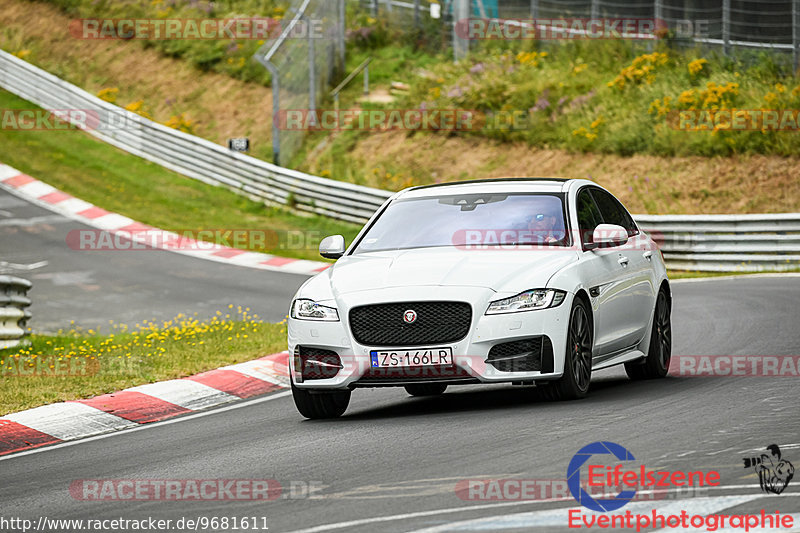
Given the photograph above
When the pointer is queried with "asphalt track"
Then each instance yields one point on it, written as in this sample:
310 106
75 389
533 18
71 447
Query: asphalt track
392 463
93 287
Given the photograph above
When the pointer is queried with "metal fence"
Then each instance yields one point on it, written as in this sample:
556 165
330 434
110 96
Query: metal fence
726 243
14 314
727 24
190 155
303 62
693 242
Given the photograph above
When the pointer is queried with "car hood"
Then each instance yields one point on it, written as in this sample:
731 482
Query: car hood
499 270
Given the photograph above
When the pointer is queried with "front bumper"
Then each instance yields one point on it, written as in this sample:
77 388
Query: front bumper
351 367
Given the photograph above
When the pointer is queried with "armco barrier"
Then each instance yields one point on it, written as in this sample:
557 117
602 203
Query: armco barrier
727 243
14 314
190 155
691 242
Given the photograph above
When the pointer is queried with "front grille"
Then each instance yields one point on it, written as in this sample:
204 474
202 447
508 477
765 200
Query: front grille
523 355
436 323
317 363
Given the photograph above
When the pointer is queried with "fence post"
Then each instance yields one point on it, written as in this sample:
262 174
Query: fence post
416 14
375 8
595 9
658 11
460 14
726 27
342 31
276 109
796 33
534 9
312 77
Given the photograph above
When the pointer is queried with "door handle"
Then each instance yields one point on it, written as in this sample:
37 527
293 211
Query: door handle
623 261
648 254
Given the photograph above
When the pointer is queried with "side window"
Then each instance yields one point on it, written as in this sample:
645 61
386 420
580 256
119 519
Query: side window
588 215
613 212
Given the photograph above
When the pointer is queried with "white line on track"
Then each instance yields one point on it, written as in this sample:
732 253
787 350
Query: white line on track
148 426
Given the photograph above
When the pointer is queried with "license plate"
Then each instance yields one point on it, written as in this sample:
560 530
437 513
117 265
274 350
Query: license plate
407 358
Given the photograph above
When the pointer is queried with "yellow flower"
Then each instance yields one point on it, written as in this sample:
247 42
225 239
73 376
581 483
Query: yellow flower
138 108
531 58
696 66
641 69
577 69
660 107
688 97
108 94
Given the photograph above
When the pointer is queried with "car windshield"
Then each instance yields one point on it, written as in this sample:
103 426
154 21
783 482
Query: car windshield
468 220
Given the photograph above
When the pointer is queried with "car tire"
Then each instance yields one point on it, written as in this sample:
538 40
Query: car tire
318 405
426 389
659 353
574 383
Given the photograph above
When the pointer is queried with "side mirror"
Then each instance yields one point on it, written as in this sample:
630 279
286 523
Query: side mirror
332 247
607 236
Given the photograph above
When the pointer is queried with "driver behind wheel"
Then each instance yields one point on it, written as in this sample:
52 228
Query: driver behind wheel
545 227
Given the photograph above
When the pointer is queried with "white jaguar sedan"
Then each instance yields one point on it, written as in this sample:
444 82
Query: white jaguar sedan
523 281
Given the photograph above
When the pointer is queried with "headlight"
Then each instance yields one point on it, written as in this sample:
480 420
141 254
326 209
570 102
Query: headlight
311 310
527 301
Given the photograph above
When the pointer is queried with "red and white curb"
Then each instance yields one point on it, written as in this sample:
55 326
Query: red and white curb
61 422
50 198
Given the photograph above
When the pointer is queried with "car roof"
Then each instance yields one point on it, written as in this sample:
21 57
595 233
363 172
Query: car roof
493 185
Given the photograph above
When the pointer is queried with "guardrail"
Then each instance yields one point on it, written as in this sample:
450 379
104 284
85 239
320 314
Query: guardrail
190 155
689 242
13 313
726 243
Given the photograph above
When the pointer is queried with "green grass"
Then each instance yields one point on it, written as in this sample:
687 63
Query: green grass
96 364
97 172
